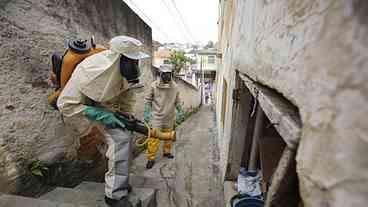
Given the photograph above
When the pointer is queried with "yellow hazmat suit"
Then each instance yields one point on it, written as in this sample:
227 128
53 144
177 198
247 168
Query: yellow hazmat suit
163 99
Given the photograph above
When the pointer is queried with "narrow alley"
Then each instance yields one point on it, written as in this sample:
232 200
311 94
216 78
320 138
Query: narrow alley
270 99
192 178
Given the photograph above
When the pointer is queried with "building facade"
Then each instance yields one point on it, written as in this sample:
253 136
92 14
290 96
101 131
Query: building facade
292 98
161 57
204 70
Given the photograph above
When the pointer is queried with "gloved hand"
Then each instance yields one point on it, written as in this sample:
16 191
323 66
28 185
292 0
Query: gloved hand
147 113
180 114
104 116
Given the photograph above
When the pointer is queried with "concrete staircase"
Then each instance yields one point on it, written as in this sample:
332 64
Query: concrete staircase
87 194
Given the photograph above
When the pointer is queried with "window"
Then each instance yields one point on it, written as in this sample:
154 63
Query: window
166 61
211 59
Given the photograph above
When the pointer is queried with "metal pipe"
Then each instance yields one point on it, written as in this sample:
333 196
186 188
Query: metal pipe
254 153
283 190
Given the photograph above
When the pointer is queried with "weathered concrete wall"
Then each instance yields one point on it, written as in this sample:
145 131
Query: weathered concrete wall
190 95
30 31
316 54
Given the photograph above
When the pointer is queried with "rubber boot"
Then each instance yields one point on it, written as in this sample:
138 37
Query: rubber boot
150 164
124 202
129 188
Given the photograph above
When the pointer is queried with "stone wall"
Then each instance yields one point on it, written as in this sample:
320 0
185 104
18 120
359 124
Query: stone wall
30 31
315 53
189 94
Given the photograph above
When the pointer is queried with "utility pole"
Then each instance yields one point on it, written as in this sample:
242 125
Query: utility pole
204 89
201 77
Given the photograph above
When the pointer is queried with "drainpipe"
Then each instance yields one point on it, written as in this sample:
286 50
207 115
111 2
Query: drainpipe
254 153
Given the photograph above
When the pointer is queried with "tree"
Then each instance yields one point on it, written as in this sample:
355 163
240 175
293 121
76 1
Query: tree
210 44
178 60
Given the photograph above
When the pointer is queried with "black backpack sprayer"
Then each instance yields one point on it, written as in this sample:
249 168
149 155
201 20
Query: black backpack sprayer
133 124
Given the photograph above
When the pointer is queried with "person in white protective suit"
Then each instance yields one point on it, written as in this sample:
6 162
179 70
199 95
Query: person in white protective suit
103 82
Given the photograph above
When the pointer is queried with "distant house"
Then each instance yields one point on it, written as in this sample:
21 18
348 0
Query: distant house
161 57
207 63
204 70
193 55
156 45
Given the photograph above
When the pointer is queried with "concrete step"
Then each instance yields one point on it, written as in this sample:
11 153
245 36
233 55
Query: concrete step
77 197
19 201
92 194
87 194
146 195
91 187
137 181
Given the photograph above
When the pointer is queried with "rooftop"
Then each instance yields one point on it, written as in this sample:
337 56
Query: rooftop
208 51
162 53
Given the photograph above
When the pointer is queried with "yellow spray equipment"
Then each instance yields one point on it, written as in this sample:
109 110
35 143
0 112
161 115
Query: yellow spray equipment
155 133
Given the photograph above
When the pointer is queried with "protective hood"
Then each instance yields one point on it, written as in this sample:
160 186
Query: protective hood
128 46
166 68
100 77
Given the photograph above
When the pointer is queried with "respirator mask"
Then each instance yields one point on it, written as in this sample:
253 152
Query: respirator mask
166 77
129 69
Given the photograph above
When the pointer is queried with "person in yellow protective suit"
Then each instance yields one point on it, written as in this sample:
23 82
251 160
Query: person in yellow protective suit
99 86
162 98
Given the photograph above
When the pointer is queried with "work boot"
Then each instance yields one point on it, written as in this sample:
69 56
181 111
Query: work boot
150 164
169 155
124 202
129 188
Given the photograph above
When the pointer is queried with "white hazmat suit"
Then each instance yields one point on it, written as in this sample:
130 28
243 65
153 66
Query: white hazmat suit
97 81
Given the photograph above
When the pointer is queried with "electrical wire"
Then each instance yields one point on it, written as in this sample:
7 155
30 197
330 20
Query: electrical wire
174 16
158 28
183 21
152 23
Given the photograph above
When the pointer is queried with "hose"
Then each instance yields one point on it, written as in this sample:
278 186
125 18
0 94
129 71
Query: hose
154 133
141 142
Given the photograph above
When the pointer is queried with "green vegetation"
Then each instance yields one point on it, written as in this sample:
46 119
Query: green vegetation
185 116
37 168
178 61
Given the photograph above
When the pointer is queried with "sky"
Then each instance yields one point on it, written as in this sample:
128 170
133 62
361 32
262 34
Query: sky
199 17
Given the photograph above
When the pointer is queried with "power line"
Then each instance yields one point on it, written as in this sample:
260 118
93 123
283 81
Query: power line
153 24
165 35
182 21
172 14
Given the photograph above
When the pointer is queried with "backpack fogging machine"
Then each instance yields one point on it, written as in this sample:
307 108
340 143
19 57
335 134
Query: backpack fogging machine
133 124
